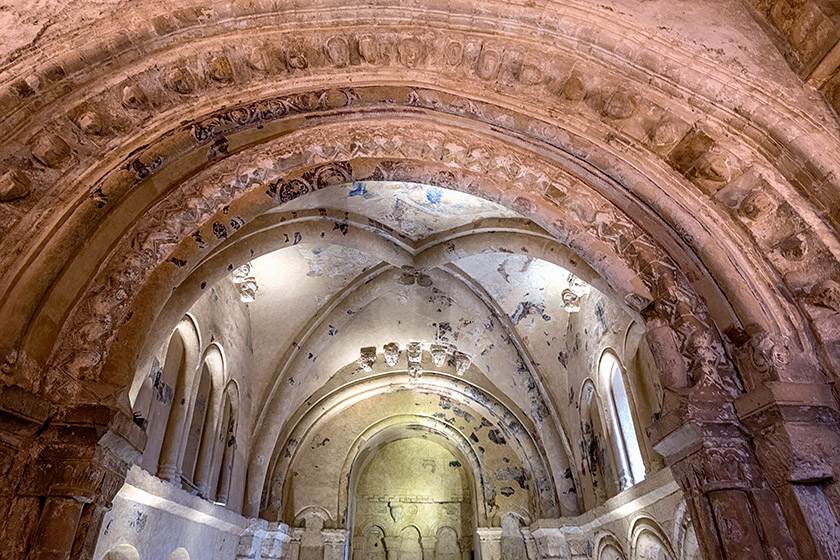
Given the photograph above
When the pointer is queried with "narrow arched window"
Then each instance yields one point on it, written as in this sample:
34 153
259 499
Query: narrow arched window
632 466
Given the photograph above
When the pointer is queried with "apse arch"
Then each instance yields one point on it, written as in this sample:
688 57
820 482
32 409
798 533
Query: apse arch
607 57
399 427
543 498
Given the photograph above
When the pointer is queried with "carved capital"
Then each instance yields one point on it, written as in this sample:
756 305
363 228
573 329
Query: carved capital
706 448
795 430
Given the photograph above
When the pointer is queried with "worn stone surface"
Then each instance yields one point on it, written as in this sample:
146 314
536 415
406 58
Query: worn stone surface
585 254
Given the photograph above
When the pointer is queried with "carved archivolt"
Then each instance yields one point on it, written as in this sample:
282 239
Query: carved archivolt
598 96
192 214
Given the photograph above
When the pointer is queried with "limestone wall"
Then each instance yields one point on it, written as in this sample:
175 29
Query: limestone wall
158 519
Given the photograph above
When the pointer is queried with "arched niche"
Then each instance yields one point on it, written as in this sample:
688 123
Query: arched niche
620 409
428 508
122 552
202 435
373 545
649 541
447 544
595 448
169 386
541 498
225 457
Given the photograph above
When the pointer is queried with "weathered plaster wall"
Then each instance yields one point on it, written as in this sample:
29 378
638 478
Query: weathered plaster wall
316 474
156 519
222 321
412 483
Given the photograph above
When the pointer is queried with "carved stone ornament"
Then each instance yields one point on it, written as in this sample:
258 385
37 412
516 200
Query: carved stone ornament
415 370
825 294
367 357
392 353
415 355
14 184
462 362
571 301
396 511
139 248
415 351
247 284
578 286
769 351
438 352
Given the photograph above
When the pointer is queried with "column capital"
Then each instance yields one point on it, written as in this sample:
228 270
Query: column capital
795 430
489 533
334 536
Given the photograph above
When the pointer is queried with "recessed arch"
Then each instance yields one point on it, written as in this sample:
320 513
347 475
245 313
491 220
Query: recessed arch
673 198
544 498
648 540
620 409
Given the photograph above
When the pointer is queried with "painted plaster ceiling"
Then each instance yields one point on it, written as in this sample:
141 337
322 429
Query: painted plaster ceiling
319 303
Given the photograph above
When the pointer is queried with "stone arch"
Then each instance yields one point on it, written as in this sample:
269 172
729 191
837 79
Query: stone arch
625 430
375 542
646 298
648 541
391 429
313 511
543 500
609 548
596 454
410 546
122 552
613 26
447 543
765 351
179 554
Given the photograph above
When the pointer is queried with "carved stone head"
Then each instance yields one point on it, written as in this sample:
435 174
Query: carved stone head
392 353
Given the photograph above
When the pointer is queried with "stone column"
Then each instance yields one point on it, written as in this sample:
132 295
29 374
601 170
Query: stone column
393 545
250 542
56 531
550 540
294 544
736 513
334 543
489 543
227 469
796 439
466 544
428 545
207 448
169 464
63 466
